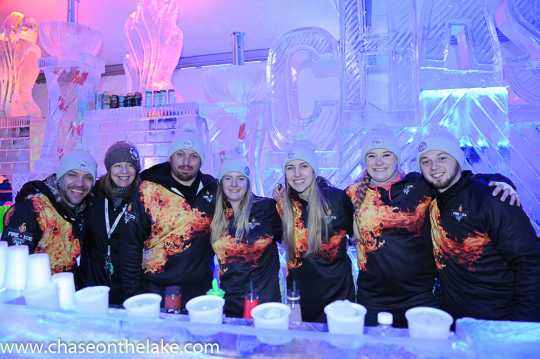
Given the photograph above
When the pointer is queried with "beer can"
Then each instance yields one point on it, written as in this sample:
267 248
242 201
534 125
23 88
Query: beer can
147 98
171 96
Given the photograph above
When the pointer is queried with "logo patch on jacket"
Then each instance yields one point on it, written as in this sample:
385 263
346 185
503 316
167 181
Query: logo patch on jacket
128 216
253 224
459 214
408 188
209 197
19 236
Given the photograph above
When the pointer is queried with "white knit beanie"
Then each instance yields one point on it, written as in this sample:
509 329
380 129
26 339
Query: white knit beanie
187 140
380 139
80 160
234 164
302 150
441 141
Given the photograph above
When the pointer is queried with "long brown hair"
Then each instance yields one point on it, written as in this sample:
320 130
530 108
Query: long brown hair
317 227
220 222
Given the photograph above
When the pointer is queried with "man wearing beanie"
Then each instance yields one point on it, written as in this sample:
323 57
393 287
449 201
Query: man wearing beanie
167 227
486 252
48 215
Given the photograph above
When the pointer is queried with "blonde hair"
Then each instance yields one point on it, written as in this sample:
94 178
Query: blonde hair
317 227
220 222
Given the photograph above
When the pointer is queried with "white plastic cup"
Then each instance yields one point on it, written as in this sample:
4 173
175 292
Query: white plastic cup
39 271
92 300
16 267
206 309
66 289
3 259
344 317
44 297
143 305
271 315
427 322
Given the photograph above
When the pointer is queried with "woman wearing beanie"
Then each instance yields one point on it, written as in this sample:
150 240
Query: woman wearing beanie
316 218
395 256
101 247
244 230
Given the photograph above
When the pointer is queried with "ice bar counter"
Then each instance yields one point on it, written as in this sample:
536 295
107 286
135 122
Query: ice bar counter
240 338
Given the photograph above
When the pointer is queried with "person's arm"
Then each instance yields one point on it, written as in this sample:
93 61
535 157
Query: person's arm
21 227
348 211
515 238
134 230
504 187
275 221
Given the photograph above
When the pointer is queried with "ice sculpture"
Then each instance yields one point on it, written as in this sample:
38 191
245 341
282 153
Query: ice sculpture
459 46
73 71
238 113
380 52
154 43
19 56
353 34
297 110
461 78
519 20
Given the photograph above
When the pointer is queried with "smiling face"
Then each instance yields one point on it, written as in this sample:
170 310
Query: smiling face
299 175
123 174
74 186
440 169
185 164
382 165
235 186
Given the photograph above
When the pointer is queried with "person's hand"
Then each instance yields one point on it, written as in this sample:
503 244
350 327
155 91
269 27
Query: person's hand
278 194
506 191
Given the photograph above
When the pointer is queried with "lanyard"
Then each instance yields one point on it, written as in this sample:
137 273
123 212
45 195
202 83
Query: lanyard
109 268
108 227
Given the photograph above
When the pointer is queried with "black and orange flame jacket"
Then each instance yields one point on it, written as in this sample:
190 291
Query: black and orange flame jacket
487 254
167 237
325 276
252 259
394 252
40 220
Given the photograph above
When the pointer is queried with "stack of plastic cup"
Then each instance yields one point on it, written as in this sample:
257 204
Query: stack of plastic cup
41 291
16 266
38 273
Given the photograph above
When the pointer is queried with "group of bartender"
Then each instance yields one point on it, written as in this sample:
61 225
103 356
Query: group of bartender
444 238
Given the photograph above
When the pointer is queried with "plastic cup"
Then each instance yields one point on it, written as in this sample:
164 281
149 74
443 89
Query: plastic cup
344 317
93 300
39 271
426 322
272 316
206 309
66 289
44 297
16 266
3 259
143 305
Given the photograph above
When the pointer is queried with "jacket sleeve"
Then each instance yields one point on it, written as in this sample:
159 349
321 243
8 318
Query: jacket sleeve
134 231
515 238
21 227
348 209
486 178
275 220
